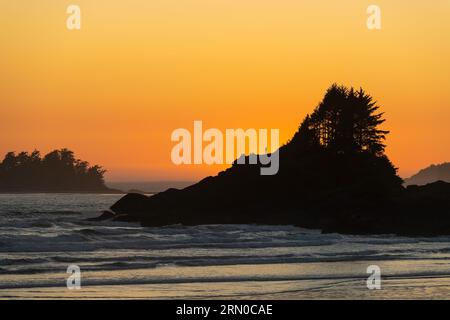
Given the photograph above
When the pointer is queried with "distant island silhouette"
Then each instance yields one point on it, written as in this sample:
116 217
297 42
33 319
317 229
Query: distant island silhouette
333 176
148 187
433 173
57 171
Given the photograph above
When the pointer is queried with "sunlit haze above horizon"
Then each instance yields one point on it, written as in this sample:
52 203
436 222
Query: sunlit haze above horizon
114 91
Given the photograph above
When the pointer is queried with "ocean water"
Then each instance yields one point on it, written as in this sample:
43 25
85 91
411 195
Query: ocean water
42 234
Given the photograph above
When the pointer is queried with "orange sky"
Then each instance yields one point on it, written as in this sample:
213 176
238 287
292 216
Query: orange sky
116 89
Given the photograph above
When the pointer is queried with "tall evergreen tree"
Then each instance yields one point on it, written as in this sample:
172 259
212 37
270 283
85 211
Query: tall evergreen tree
345 121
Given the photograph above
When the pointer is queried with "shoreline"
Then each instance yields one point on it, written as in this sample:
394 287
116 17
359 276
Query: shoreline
323 280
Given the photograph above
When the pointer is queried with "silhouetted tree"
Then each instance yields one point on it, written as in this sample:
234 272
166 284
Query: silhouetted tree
58 170
345 121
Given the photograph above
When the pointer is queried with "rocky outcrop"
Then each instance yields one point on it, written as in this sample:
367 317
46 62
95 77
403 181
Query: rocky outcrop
333 175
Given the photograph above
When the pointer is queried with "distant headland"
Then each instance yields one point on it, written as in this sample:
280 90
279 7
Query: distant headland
435 172
333 175
57 171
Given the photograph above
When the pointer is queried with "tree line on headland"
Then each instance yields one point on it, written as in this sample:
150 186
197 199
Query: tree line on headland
57 171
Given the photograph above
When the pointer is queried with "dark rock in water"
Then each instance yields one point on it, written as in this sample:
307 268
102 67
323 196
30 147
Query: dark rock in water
417 211
333 175
310 190
104 216
124 218
132 204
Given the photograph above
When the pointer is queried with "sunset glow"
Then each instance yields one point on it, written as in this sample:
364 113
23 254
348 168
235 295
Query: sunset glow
137 70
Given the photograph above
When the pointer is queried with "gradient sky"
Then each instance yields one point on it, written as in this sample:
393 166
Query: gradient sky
138 69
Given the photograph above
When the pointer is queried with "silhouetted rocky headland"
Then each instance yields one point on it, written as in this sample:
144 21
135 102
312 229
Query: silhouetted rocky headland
333 175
